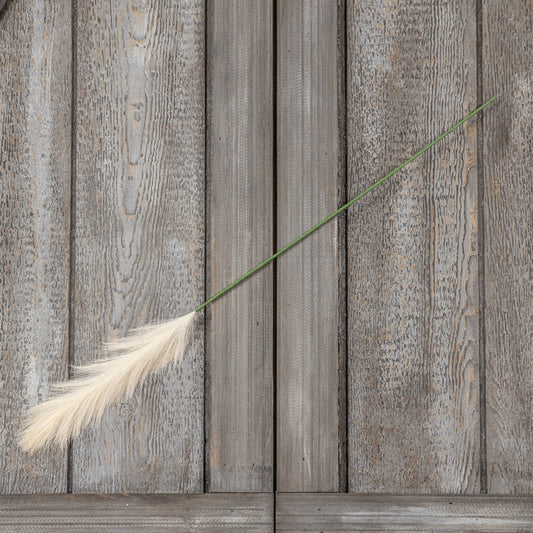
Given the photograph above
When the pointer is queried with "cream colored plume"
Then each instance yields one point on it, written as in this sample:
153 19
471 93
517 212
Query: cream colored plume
82 401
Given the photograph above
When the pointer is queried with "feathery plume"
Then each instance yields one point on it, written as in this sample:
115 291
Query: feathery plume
81 402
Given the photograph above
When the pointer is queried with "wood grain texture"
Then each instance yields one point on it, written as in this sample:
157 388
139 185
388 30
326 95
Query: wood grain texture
310 181
349 512
240 177
35 65
412 249
508 214
132 514
139 230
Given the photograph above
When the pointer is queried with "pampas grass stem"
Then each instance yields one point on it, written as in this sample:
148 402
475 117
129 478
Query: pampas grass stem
82 401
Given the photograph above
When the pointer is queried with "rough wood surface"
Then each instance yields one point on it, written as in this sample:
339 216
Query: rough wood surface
136 513
240 176
508 209
139 230
35 100
308 182
350 512
412 249
138 239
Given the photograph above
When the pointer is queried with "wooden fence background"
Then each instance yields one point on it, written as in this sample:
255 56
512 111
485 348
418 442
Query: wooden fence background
153 151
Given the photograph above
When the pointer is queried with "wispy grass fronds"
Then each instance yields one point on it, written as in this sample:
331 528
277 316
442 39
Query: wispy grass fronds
81 402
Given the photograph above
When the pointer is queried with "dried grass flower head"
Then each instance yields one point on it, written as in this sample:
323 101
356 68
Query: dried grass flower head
82 402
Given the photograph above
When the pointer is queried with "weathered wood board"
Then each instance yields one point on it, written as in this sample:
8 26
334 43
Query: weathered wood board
350 512
310 186
35 84
239 415
136 513
508 214
412 249
139 230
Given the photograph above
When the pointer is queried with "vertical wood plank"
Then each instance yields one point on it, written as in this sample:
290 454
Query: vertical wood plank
309 187
240 175
412 249
508 214
35 96
139 238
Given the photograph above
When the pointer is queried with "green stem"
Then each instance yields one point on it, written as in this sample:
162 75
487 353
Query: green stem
343 208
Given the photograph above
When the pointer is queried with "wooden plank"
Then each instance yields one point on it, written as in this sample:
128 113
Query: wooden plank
35 96
508 215
239 417
136 513
350 512
310 186
412 249
140 230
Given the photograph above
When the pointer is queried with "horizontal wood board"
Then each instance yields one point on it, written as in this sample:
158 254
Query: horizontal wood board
351 512
136 513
